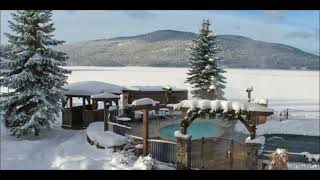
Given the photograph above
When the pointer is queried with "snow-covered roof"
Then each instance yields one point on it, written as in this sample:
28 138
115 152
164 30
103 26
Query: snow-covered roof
144 101
215 105
88 88
104 96
153 88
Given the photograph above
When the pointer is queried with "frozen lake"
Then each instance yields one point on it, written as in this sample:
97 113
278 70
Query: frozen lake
283 88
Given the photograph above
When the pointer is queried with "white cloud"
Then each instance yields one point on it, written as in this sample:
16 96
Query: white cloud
138 14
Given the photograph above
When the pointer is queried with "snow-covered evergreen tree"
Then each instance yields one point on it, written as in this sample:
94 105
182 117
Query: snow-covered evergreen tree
33 73
206 73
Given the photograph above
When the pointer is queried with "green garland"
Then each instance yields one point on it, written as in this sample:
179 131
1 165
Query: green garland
230 115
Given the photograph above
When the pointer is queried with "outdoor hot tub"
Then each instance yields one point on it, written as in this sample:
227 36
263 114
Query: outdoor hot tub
198 129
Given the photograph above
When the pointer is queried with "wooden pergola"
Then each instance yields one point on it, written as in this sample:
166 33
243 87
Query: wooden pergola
145 124
107 99
249 122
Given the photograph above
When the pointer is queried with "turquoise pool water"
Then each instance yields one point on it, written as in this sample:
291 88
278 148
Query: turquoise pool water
198 129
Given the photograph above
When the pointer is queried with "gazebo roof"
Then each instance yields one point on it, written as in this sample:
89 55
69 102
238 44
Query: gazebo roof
145 103
105 96
89 88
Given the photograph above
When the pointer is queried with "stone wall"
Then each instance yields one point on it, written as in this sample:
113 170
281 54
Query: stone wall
252 156
183 153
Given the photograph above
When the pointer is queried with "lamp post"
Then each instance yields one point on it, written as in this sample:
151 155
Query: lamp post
168 92
249 90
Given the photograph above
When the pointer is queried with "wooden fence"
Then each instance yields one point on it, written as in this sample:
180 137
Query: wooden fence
217 153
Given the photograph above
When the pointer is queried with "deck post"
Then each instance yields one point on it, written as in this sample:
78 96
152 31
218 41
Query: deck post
70 102
88 99
106 119
145 132
183 129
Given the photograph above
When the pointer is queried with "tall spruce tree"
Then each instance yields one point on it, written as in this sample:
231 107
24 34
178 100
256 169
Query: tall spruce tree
206 73
33 73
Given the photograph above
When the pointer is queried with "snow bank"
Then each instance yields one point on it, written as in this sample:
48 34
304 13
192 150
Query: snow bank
215 105
144 163
257 140
63 149
104 95
89 88
139 146
97 134
180 135
144 101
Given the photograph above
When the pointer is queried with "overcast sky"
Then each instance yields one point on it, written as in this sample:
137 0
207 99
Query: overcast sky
296 28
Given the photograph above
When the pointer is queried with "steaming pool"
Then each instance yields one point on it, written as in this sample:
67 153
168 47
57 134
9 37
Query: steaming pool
198 129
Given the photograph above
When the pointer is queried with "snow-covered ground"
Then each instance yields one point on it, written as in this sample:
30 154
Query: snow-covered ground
301 127
97 135
68 149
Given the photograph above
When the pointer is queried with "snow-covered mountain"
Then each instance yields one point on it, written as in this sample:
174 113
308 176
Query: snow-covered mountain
171 48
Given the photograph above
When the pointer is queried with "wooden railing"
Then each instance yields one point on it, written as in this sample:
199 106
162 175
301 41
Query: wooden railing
119 128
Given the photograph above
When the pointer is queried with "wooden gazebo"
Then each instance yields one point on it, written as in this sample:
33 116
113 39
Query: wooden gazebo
72 115
96 113
81 115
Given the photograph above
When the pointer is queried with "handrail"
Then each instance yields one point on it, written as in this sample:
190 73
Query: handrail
292 153
161 141
120 125
152 140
